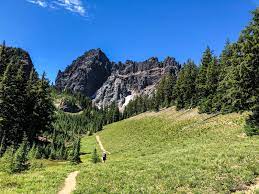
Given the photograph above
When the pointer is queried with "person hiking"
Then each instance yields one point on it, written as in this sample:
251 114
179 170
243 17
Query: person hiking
104 156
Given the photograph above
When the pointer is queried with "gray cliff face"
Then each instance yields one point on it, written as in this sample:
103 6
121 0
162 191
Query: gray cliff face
132 79
95 76
86 74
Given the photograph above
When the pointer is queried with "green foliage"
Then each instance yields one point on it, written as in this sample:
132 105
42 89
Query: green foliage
75 154
185 90
252 123
20 161
25 106
95 157
171 152
164 93
6 162
201 81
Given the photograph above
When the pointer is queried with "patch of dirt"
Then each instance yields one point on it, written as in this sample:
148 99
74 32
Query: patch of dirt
250 189
100 144
70 183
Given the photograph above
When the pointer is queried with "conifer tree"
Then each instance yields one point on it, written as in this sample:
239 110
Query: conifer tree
95 157
44 108
201 81
7 107
21 156
19 104
31 92
75 156
7 161
242 78
220 100
212 80
3 59
185 90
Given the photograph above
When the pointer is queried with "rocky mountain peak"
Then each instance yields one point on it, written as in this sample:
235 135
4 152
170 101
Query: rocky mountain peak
94 75
86 74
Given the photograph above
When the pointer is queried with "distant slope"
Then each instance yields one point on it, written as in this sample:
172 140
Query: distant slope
172 152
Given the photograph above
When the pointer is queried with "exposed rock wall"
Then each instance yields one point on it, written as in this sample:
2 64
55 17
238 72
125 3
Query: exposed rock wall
95 76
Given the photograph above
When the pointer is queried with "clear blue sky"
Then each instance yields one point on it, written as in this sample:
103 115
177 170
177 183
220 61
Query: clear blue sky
57 31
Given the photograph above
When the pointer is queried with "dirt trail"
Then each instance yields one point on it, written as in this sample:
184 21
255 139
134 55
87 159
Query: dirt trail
70 183
100 144
252 189
249 189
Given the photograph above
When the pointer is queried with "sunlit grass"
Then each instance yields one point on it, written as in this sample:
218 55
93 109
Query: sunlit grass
173 152
165 152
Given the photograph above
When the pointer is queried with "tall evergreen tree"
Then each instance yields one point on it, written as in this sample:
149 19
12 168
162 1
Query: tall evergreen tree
221 101
212 80
3 59
185 90
21 156
201 81
44 108
7 107
164 93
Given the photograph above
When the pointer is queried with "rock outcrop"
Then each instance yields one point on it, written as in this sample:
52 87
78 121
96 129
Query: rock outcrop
95 76
86 74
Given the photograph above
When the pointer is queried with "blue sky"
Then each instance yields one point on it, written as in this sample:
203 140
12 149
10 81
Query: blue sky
55 32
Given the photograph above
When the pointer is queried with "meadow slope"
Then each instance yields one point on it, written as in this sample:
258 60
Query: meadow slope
172 152
164 152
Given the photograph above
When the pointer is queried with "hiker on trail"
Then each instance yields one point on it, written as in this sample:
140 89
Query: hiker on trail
104 156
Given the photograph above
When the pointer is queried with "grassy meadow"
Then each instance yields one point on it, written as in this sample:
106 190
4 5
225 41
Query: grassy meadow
172 152
164 152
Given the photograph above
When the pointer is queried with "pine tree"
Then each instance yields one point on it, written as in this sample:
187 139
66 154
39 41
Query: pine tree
7 107
75 156
19 94
31 92
185 90
44 108
212 81
252 123
3 59
95 157
7 161
21 156
201 81
220 100
241 82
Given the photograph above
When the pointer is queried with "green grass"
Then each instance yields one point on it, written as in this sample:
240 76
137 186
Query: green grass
47 179
165 152
172 152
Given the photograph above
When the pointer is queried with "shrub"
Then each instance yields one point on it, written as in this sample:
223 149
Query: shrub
20 162
252 123
6 162
95 157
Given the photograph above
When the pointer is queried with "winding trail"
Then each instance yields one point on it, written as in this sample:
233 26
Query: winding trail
70 183
100 144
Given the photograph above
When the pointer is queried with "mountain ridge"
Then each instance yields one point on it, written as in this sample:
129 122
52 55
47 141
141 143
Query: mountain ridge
113 82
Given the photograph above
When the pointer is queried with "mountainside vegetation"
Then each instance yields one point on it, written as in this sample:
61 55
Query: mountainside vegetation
172 152
198 131
226 84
